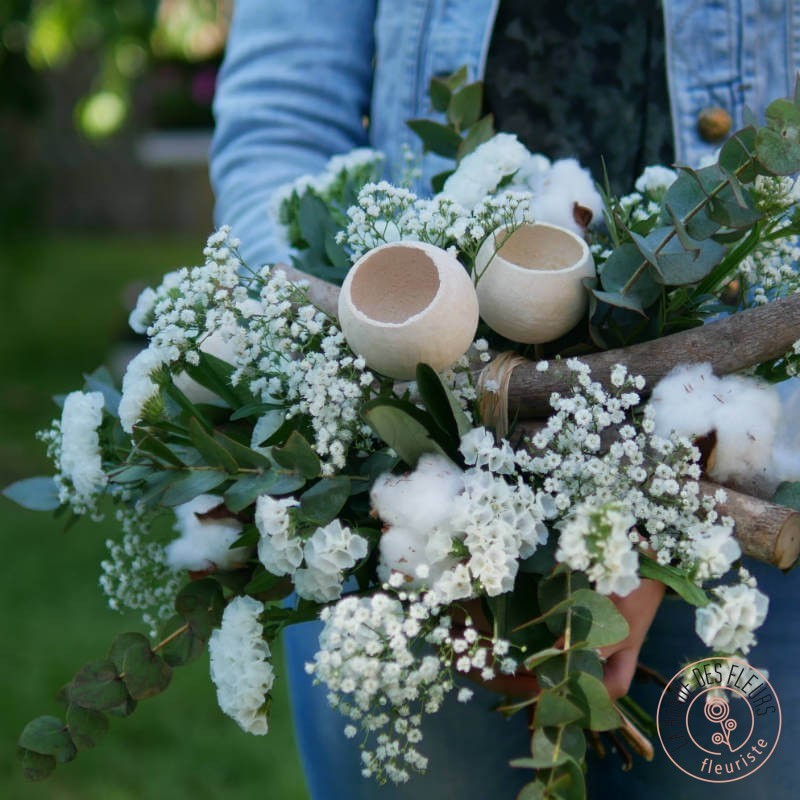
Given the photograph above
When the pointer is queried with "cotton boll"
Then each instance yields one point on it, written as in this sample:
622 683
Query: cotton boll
204 543
419 500
556 192
401 550
684 401
746 420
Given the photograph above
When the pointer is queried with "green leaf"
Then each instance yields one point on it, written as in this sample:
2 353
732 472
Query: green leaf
457 78
552 709
201 603
265 582
241 453
267 425
788 494
86 727
541 656
439 180
675 579
148 443
254 410
245 491
684 196
589 694
480 132
35 494
183 648
215 455
778 144
144 673
438 403
35 766
689 261
98 686
197 482
595 619
465 106
298 455
436 138
406 429
738 154
215 374
48 736
102 381
376 464
618 270
629 301
531 791
325 499
440 94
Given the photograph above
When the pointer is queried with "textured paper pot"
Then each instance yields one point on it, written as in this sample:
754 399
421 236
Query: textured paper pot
532 290
405 303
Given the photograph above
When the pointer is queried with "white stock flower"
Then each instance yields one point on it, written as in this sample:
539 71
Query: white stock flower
81 460
138 387
279 550
240 665
728 625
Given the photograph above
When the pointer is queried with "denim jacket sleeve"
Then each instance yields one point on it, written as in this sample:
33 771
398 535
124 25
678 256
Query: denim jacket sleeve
293 90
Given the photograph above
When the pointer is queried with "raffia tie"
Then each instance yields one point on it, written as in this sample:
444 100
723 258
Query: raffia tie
493 403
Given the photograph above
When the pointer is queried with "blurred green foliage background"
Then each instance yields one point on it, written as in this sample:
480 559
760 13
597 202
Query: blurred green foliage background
85 222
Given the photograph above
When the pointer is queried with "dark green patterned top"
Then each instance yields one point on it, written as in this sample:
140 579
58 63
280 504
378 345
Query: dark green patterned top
583 79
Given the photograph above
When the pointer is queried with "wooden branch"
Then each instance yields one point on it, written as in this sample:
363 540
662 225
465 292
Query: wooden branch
322 293
765 531
731 344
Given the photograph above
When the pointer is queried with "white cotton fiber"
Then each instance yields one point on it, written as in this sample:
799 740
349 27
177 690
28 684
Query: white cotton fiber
204 543
743 412
556 192
419 500
684 401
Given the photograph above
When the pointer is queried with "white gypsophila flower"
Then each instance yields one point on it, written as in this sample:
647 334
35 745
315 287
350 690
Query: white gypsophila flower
205 541
138 387
81 464
655 180
240 665
279 549
728 625
136 576
291 355
597 541
479 173
328 553
143 313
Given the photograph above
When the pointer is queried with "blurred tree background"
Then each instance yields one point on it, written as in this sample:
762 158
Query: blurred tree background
105 122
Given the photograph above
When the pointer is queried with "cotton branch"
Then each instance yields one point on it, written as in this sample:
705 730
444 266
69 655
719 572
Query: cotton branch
731 344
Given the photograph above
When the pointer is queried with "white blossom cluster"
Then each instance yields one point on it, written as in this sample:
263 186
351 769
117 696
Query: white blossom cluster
136 576
292 355
240 665
73 444
654 478
327 553
601 542
382 678
728 623
458 532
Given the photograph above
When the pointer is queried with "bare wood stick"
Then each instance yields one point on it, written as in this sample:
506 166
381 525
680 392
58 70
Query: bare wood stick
323 294
765 531
731 344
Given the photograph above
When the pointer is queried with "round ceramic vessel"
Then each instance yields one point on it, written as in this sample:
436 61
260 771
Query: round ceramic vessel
408 302
531 290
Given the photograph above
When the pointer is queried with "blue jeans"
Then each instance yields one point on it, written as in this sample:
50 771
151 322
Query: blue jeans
469 746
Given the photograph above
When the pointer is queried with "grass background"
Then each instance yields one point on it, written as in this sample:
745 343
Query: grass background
62 313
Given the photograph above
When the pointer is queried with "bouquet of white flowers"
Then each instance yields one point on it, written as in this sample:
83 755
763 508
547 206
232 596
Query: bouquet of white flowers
477 519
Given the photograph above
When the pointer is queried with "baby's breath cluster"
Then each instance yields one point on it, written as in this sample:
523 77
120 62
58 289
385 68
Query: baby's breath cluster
292 356
383 678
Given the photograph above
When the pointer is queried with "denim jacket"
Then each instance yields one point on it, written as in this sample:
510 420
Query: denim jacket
306 79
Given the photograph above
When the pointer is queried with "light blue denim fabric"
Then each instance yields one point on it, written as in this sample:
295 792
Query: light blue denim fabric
298 84
305 79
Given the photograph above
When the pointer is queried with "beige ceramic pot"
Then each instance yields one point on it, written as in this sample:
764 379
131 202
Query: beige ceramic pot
531 290
407 302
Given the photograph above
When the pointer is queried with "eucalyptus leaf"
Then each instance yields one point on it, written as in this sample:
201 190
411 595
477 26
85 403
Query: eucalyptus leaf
48 736
267 424
788 494
778 144
195 483
144 673
589 694
35 494
325 499
403 427
553 709
595 619
675 579
215 454
298 455
98 686
86 727
35 766
201 603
